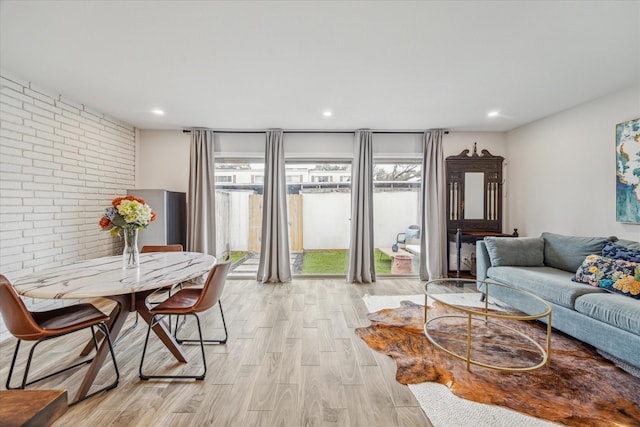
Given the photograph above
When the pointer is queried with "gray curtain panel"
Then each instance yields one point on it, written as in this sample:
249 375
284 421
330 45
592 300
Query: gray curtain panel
201 207
433 244
361 261
274 250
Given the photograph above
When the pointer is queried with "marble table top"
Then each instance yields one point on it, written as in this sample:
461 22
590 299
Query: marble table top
102 277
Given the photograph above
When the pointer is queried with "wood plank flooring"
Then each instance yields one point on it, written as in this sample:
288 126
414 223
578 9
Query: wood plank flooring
292 359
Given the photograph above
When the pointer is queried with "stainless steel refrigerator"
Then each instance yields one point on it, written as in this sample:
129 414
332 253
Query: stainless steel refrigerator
170 226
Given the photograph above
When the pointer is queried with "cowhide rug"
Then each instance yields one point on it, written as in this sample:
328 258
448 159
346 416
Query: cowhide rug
580 388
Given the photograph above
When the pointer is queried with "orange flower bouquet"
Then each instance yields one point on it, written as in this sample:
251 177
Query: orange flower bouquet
127 214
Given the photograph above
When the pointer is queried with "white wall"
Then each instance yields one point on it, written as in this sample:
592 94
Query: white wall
163 160
393 212
562 170
61 164
325 220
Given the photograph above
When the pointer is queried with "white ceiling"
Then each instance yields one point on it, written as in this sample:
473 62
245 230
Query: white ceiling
382 65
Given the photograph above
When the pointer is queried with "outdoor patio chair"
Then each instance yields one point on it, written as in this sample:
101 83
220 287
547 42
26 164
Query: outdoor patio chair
412 232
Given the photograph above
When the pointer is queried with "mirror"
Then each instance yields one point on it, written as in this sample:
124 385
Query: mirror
473 195
474 192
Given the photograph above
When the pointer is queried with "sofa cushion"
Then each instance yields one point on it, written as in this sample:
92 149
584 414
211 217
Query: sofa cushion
548 283
613 309
617 251
568 252
515 251
593 269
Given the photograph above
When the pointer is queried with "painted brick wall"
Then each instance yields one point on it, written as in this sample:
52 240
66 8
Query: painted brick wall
61 163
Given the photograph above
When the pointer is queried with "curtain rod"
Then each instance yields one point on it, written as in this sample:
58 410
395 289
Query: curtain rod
405 132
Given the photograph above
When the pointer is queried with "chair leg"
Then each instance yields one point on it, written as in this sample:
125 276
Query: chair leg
152 323
105 330
127 332
25 382
222 341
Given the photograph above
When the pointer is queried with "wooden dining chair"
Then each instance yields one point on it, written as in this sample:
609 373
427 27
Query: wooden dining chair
189 302
40 326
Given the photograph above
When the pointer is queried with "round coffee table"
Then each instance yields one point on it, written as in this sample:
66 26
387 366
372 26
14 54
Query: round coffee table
470 315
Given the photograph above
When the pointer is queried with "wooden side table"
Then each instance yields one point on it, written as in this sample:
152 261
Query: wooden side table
31 407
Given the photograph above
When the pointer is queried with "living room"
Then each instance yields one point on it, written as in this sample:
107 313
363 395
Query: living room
79 81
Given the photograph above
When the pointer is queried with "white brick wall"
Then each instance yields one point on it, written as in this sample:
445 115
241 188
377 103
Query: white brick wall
61 164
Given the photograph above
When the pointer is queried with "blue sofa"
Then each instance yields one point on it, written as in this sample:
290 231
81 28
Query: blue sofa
545 266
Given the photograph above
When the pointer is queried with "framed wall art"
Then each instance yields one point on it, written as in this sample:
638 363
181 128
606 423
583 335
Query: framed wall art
628 171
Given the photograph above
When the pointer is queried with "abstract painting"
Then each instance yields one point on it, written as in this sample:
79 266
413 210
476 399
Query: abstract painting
628 171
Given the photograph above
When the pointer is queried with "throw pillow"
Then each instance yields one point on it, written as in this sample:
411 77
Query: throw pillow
613 250
568 252
593 269
631 244
625 279
515 251
615 275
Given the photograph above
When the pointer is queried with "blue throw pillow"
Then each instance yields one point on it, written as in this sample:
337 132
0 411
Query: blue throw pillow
612 250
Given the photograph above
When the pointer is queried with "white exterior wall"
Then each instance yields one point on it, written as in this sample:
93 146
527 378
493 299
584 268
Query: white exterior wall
562 170
393 212
239 220
325 220
61 164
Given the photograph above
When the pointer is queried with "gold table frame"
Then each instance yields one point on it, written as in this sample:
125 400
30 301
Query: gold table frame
484 315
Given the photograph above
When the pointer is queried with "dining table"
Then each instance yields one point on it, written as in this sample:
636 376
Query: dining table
105 277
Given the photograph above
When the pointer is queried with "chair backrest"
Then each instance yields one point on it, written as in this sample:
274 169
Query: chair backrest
18 319
213 287
413 232
161 248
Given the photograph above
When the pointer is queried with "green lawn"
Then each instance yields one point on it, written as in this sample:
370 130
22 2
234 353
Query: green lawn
335 262
235 256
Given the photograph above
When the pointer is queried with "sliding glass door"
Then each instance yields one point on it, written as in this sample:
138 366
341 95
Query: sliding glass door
396 215
319 200
239 189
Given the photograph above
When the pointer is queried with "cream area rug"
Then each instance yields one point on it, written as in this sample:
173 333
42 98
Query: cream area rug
442 407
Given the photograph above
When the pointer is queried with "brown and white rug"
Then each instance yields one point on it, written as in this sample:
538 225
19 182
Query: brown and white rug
579 388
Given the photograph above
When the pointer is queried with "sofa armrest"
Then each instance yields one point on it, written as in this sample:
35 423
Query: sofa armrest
483 262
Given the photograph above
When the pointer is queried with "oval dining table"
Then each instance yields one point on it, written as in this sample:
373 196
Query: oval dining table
129 287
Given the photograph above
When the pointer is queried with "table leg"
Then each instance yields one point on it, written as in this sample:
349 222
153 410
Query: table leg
123 303
160 330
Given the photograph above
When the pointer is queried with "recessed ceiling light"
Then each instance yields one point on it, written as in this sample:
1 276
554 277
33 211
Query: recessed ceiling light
493 113
158 112
327 113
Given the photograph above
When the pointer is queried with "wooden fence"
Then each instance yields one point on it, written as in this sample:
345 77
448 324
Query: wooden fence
294 202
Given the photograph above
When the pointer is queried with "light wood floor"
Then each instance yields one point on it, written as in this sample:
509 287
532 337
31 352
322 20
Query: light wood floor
292 359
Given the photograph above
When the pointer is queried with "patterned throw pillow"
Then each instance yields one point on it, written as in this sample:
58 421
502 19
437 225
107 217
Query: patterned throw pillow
593 269
615 275
625 279
612 250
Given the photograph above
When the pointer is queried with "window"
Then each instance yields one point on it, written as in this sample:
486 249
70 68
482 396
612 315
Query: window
319 212
396 207
238 213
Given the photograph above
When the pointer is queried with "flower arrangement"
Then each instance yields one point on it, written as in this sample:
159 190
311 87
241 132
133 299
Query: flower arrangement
126 213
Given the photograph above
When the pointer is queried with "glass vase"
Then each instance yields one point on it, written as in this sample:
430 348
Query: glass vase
130 254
